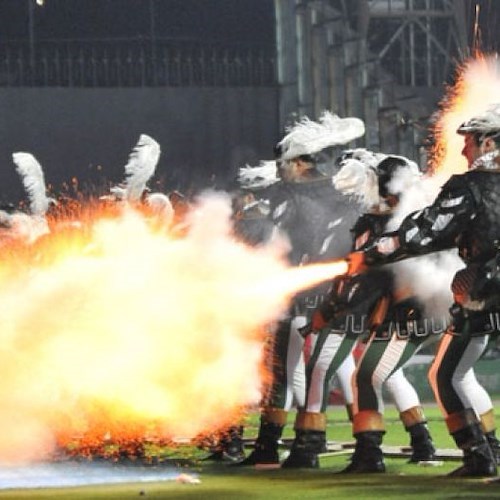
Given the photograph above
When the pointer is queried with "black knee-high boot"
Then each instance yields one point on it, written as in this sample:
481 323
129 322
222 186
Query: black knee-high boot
420 439
488 425
306 447
367 456
309 442
421 442
478 458
494 444
232 444
266 445
229 447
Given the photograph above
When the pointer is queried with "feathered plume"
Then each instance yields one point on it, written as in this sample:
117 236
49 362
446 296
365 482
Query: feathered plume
34 182
357 176
19 225
309 137
139 169
262 176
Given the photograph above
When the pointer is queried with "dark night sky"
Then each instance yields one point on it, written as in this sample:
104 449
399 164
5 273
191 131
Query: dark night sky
210 20
214 20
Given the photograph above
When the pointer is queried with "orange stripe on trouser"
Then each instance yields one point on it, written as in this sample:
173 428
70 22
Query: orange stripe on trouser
452 376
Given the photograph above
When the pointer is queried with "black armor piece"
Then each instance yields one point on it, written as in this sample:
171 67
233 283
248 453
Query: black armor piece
368 227
254 227
317 220
466 214
351 300
405 320
478 242
473 323
360 295
447 222
315 216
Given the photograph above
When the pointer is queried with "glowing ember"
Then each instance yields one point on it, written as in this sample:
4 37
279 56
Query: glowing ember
121 331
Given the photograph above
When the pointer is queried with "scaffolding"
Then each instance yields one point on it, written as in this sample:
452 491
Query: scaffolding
384 61
418 41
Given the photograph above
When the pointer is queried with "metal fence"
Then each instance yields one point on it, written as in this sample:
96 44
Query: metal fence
134 63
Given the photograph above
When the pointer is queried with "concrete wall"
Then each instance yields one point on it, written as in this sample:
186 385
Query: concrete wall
205 133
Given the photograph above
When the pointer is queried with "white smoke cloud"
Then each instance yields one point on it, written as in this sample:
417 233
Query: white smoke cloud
429 276
136 327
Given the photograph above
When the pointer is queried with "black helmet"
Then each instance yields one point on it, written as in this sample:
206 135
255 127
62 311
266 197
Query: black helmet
278 151
386 170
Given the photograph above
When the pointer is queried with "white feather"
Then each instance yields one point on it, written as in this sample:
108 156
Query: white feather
118 192
309 137
357 176
22 227
358 180
34 182
264 175
366 156
141 167
28 227
5 219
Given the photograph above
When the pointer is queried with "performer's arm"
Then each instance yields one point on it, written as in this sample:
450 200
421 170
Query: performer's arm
434 228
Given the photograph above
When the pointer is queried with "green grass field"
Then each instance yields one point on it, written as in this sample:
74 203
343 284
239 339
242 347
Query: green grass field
222 481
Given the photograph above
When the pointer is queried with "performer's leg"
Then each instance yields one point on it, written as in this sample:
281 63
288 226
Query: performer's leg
286 354
488 426
368 423
330 351
410 410
296 366
448 376
483 406
344 374
381 358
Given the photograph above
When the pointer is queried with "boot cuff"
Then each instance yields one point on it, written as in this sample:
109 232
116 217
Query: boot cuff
367 420
307 420
461 420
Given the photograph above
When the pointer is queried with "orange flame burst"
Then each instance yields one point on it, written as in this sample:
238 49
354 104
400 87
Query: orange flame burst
476 88
119 330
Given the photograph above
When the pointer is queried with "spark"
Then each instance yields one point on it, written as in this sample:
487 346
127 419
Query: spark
476 88
118 332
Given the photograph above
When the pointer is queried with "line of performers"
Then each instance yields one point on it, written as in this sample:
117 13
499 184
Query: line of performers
364 209
361 207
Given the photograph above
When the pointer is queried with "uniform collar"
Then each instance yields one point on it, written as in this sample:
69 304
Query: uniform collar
488 161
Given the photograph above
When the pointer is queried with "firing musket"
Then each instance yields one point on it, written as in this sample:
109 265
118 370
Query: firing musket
355 266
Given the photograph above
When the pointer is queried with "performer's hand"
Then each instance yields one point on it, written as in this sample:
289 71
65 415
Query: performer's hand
356 262
317 322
